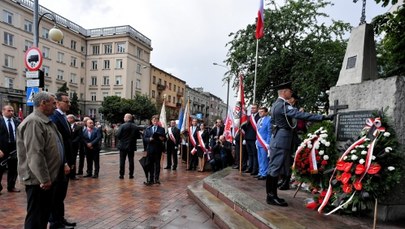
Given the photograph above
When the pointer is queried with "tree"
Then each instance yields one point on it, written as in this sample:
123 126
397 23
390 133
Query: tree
74 105
111 109
296 47
143 108
63 88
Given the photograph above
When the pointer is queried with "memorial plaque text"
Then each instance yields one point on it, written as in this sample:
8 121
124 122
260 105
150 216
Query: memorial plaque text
351 123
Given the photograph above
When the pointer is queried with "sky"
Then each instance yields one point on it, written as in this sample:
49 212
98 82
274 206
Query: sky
188 36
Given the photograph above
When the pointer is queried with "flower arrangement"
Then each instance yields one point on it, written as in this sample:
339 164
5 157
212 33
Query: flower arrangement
368 169
315 156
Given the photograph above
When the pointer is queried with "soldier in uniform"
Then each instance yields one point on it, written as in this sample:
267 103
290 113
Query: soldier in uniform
282 115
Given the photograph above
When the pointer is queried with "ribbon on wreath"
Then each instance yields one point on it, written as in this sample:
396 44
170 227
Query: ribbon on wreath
313 166
376 127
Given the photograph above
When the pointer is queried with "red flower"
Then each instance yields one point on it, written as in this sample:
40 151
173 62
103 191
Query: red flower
340 165
374 169
324 162
347 188
312 205
347 166
358 185
360 169
323 193
318 158
345 177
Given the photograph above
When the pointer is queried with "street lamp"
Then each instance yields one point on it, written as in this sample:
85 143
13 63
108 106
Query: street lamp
228 79
55 33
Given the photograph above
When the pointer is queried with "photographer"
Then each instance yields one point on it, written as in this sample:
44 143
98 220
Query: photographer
220 152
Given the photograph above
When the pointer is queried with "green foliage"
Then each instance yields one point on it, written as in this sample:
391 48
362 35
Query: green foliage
74 105
114 108
295 47
63 88
386 2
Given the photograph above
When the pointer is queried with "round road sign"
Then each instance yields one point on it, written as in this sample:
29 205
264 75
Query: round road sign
33 59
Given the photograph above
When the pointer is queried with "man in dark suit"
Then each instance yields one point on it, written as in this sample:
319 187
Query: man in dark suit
216 131
173 142
250 137
127 135
193 143
57 218
8 125
154 137
77 131
92 140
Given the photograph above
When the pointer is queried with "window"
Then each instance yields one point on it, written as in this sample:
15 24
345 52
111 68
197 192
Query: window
170 86
73 78
82 80
96 49
105 94
139 52
118 80
154 80
81 96
92 112
107 48
8 17
8 82
153 94
73 61
138 84
45 52
93 96
106 80
138 68
82 64
118 93
94 65
60 42
28 26
9 61
8 39
60 57
170 98
82 49
73 44
93 81
106 64
60 75
45 69
120 47
173 99
118 63
45 33
27 45
165 83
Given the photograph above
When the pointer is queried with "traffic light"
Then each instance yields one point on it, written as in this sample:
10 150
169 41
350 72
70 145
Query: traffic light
41 78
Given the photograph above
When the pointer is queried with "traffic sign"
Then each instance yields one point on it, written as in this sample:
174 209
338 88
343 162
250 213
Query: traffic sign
33 59
31 91
31 75
33 83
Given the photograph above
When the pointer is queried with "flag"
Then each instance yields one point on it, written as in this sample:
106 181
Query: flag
162 117
181 113
239 111
185 122
20 114
260 21
228 126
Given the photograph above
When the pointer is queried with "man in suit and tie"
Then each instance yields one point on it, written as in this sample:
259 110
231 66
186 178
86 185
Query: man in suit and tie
8 125
216 131
193 143
92 138
57 218
154 137
77 131
173 142
250 137
127 135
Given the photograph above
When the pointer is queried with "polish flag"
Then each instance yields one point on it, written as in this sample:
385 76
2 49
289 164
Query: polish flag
260 21
20 114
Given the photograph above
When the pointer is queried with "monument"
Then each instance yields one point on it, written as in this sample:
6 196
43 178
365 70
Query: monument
361 92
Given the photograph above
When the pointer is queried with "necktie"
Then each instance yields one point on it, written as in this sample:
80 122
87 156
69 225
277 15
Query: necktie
10 132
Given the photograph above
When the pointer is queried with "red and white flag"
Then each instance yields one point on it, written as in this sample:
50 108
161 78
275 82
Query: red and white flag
162 117
228 126
239 113
20 114
260 21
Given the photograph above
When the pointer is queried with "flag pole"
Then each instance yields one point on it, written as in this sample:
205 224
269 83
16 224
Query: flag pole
240 149
188 130
254 83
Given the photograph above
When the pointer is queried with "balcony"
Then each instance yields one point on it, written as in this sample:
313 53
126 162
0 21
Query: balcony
161 87
178 104
179 94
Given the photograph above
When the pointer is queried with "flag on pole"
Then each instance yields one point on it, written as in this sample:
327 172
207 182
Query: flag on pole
162 117
185 122
181 116
20 114
229 126
260 21
239 112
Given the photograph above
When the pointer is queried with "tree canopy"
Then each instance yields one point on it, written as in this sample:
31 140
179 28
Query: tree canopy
296 47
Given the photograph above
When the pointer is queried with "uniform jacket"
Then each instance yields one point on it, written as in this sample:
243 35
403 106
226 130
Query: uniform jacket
39 159
127 135
282 115
264 129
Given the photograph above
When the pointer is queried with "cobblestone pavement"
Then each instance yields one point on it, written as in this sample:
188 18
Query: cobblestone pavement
109 202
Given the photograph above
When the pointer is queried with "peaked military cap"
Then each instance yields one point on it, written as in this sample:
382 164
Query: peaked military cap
287 85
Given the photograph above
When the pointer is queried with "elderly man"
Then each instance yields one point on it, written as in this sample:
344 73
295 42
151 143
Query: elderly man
8 125
40 159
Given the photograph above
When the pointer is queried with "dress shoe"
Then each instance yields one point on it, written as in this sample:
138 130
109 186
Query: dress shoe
131 176
174 168
274 200
121 177
67 223
254 174
167 167
235 167
157 182
261 178
13 190
59 226
147 183
88 175
95 176
247 171
257 176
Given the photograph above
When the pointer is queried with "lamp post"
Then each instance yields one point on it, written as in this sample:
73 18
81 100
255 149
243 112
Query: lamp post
55 33
228 79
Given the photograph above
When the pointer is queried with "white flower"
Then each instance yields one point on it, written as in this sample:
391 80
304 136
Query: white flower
327 144
303 144
363 152
367 139
324 131
388 149
323 136
323 141
390 168
387 134
321 152
309 135
309 146
368 146
326 157
354 157
361 146
361 161
353 151
354 208
373 158
344 158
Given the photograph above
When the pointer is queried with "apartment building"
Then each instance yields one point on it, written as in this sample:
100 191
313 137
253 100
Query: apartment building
94 63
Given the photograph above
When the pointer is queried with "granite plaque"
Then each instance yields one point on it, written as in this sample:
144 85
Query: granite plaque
351 62
350 124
